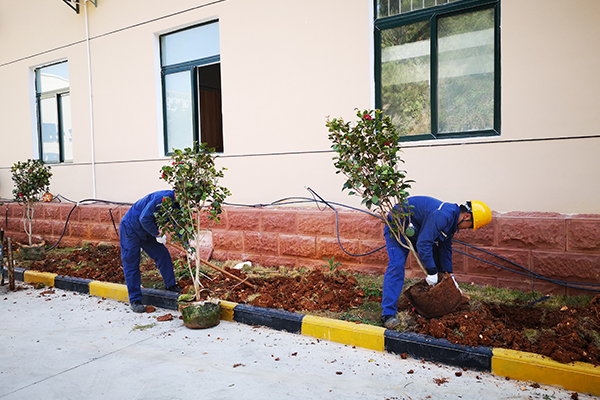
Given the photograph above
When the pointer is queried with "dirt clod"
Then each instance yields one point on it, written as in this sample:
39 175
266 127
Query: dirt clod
166 317
435 301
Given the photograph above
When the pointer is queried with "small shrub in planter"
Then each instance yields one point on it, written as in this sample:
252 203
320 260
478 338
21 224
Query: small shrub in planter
198 197
32 182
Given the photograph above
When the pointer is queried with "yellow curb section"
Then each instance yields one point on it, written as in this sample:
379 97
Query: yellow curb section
366 336
227 310
577 376
111 290
47 278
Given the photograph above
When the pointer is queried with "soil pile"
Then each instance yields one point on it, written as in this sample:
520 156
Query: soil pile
312 291
102 263
565 335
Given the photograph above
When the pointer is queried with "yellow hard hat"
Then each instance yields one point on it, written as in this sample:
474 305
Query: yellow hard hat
482 215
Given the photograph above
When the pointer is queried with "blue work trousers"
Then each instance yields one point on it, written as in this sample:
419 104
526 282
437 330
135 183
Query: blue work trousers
393 279
131 244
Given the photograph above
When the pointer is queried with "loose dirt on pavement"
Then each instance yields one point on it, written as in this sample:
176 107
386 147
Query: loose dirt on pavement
87 347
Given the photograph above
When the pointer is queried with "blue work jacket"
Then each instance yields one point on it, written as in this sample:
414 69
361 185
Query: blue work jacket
435 223
140 217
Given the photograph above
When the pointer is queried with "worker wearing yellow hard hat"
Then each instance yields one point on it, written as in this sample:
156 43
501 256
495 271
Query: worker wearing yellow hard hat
433 223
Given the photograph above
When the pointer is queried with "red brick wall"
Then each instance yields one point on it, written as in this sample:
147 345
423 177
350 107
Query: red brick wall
553 245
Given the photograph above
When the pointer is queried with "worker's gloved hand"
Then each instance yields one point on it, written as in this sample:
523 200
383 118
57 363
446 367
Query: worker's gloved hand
161 239
456 284
432 280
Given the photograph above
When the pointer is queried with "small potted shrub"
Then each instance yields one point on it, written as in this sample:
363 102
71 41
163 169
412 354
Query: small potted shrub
32 181
198 198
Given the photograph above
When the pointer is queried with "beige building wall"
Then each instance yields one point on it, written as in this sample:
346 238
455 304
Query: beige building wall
286 66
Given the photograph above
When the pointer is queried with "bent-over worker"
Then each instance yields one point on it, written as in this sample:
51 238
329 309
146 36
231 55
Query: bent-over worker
434 223
137 231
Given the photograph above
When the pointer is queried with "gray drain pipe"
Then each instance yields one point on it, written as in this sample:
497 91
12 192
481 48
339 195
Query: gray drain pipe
87 37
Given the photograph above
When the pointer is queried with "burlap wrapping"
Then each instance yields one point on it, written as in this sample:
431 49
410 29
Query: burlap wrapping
435 301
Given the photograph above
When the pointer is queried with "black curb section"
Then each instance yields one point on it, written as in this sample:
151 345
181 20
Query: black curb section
160 298
19 274
73 284
438 350
280 320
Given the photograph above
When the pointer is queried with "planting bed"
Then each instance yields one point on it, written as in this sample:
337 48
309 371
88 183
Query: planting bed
568 333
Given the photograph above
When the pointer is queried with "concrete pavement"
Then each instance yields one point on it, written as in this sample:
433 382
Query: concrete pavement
58 344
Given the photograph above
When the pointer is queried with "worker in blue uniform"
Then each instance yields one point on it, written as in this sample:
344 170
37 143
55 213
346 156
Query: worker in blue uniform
138 230
434 223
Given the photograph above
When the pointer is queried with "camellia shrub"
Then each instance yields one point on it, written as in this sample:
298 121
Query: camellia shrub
368 155
198 196
32 182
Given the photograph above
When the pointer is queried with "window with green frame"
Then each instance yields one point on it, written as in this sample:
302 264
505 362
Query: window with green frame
191 84
438 66
53 107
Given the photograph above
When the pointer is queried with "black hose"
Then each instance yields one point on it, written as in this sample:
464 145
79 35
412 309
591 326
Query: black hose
64 229
301 200
58 197
529 273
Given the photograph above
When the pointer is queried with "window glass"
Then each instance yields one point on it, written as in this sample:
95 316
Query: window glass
466 72
178 98
405 76
66 130
209 91
54 113
49 128
438 67
387 8
192 100
190 44
53 77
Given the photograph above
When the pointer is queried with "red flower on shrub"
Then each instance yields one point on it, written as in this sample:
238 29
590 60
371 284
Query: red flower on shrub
367 117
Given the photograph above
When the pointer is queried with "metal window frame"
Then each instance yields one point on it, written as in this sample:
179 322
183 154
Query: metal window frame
432 14
192 68
57 95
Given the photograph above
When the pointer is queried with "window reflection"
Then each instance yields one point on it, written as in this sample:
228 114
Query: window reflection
54 113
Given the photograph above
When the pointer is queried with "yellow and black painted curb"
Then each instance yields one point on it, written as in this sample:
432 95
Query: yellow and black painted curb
578 376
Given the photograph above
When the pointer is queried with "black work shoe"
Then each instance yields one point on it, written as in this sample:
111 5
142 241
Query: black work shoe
174 288
390 321
138 307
